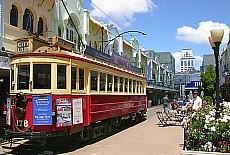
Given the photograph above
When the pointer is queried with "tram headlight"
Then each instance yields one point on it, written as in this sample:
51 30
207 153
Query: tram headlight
21 103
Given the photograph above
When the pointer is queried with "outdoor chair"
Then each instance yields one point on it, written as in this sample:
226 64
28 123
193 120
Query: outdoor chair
162 118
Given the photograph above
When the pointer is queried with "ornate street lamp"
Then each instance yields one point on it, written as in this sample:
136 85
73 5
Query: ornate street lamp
215 41
121 35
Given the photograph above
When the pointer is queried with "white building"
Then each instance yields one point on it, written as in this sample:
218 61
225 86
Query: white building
187 60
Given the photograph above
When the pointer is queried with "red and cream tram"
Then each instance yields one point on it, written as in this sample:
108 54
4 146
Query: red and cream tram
56 91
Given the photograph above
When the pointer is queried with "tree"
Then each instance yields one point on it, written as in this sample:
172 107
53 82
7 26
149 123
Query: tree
208 80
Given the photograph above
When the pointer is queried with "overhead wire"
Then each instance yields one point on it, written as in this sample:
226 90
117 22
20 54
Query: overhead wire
112 20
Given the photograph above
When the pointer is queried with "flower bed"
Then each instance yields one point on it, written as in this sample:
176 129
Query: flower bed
204 132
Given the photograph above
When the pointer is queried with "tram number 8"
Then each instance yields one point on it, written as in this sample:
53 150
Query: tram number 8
22 123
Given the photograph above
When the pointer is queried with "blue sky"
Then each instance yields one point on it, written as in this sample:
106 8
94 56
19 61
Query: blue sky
170 25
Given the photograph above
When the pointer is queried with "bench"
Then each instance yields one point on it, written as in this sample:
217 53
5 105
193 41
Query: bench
162 119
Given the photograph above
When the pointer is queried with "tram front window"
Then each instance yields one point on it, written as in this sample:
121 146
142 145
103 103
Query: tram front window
93 75
81 79
23 76
42 76
73 78
61 77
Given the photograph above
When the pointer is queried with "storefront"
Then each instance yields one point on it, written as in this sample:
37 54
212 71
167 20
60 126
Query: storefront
225 88
155 94
4 77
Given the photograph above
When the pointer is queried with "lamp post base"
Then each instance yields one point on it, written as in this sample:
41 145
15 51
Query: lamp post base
217 113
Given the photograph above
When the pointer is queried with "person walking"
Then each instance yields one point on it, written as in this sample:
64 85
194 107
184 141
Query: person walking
197 101
166 104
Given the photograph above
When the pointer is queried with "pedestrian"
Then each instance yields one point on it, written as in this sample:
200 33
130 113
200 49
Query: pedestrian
174 105
166 104
197 101
179 102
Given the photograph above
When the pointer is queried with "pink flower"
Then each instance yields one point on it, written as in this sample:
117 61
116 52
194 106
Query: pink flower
220 143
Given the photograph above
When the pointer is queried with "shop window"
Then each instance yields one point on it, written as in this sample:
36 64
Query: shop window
40 26
102 81
23 76
14 16
28 20
81 79
61 76
73 78
93 80
109 82
42 76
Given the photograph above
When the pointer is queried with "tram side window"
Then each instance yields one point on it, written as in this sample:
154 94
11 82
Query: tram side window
134 86
121 84
109 82
137 86
93 79
42 76
130 85
141 87
23 76
102 81
81 79
115 83
12 77
73 78
126 85
61 77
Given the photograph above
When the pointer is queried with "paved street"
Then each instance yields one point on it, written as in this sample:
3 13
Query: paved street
145 138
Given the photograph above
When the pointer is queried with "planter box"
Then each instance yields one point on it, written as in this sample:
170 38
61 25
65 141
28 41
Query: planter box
202 153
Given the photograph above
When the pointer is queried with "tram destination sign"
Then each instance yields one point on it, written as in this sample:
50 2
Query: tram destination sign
114 59
97 54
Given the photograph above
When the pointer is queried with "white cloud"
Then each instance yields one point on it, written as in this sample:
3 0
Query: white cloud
177 56
122 11
201 34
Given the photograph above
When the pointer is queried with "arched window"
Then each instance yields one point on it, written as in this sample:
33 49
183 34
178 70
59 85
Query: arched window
14 16
90 43
40 26
95 45
69 31
59 31
28 20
